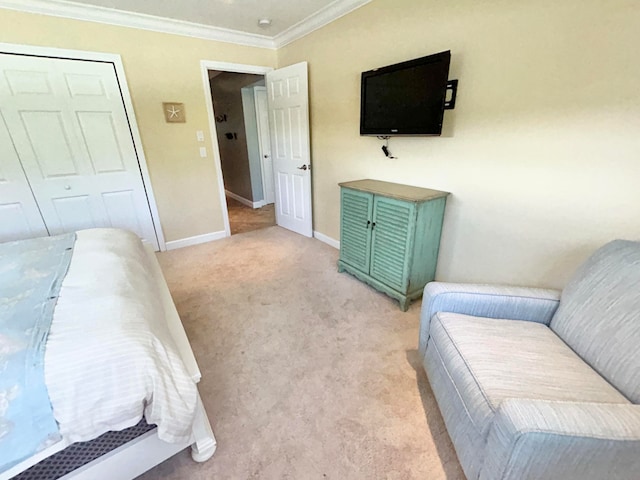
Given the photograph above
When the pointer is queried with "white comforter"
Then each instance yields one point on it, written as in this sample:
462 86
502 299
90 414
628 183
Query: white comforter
109 355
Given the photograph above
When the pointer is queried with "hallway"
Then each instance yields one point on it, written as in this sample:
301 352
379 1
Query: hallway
246 219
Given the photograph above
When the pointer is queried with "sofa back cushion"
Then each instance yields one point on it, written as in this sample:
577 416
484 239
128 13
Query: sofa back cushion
599 315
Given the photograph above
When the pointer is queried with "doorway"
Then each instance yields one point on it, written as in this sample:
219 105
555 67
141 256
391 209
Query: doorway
288 115
242 131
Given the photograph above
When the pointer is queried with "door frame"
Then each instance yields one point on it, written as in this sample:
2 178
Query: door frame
121 78
261 145
205 66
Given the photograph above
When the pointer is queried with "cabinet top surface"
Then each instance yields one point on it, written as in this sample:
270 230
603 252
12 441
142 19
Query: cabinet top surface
394 190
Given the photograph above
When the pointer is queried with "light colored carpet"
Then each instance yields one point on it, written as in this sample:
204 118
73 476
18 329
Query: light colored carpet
307 373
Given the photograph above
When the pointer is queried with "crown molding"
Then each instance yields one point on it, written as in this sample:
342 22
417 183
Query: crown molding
333 11
110 16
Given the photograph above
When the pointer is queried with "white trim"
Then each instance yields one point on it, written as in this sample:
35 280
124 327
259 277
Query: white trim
196 240
326 239
245 201
57 52
215 149
234 67
116 60
261 147
112 16
205 66
121 18
142 159
326 15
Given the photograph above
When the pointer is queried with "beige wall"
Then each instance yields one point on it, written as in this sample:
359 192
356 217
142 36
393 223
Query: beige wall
159 68
541 154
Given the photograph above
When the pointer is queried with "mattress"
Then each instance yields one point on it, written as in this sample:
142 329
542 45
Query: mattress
82 453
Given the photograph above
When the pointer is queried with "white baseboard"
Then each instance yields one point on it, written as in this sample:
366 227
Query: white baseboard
326 239
198 239
245 201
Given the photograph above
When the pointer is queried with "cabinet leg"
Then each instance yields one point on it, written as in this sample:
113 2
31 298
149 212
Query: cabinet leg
340 268
404 304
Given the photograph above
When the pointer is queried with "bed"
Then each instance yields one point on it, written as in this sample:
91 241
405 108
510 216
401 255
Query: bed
116 352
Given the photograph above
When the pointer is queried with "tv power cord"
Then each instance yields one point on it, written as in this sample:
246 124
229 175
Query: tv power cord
385 147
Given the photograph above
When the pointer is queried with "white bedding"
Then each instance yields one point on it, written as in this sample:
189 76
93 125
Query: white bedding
109 355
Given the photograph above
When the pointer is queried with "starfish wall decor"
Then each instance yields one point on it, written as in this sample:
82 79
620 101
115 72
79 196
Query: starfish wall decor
174 112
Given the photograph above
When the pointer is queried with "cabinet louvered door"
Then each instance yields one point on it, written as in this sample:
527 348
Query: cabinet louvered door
391 241
355 233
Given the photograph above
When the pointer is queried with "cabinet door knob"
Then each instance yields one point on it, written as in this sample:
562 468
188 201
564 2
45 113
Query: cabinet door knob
67 187
368 223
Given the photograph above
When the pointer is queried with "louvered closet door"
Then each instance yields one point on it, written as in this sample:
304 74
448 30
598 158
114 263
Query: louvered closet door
355 225
67 122
391 241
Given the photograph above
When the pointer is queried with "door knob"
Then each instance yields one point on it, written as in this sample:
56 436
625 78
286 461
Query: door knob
67 187
303 167
266 156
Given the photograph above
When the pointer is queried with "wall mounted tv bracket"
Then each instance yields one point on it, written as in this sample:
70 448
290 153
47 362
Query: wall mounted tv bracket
452 86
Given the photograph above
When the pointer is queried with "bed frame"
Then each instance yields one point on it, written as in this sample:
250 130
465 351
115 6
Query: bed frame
146 451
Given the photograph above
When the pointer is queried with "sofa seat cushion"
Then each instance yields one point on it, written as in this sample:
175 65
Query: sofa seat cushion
489 360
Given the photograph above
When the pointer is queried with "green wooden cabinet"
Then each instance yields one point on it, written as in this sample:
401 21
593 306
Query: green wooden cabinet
390 236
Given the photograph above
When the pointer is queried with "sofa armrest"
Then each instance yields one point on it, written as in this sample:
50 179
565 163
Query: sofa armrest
492 301
564 440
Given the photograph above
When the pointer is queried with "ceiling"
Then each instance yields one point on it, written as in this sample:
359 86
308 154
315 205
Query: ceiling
227 20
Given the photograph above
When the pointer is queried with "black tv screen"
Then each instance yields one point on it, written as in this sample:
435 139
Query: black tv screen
406 98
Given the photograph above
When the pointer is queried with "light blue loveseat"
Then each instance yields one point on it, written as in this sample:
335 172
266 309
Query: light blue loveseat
541 384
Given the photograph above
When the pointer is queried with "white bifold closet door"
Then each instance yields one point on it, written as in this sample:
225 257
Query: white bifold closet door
69 130
19 214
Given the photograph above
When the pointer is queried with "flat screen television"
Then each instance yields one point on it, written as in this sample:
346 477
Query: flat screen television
407 98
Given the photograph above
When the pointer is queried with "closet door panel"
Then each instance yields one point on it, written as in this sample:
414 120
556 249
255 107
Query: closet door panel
75 213
49 144
19 214
121 210
101 141
61 179
72 135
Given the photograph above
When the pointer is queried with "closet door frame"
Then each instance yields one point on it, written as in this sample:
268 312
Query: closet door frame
116 60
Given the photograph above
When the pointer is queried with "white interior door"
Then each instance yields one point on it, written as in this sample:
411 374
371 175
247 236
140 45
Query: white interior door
67 122
288 100
264 143
19 214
